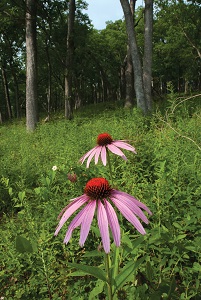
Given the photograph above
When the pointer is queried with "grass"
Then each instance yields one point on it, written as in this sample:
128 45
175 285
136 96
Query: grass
165 175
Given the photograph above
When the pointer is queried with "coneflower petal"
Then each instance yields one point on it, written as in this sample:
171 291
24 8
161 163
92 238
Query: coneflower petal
75 223
128 214
113 222
86 223
133 207
82 159
124 145
69 205
104 155
70 209
98 151
103 226
117 193
91 155
116 151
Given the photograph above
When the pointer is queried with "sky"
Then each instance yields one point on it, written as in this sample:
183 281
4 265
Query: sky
100 11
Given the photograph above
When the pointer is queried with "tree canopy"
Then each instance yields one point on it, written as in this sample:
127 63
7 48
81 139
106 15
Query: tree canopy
98 54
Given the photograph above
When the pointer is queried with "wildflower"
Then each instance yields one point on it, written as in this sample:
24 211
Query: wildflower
105 143
72 177
54 168
97 194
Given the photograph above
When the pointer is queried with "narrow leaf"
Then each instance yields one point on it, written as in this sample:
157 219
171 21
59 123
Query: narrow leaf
94 271
149 272
97 290
93 253
77 273
127 272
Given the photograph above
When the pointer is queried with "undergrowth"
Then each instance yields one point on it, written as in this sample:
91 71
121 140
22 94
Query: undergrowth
165 175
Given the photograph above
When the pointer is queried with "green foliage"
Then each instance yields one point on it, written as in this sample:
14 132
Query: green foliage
165 175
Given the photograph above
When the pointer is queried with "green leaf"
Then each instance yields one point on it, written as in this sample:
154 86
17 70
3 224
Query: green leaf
149 272
77 273
126 240
177 225
127 273
23 245
10 191
137 242
94 271
95 230
21 196
97 290
93 253
191 248
196 267
180 237
172 287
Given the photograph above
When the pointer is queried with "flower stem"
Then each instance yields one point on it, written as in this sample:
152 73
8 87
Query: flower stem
110 167
109 281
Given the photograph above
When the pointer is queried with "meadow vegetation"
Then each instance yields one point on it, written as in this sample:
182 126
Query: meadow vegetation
165 175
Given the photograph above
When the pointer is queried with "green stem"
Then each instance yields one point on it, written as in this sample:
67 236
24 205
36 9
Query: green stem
109 281
159 212
110 167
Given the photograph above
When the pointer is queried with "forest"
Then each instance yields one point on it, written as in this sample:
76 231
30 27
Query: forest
100 151
100 67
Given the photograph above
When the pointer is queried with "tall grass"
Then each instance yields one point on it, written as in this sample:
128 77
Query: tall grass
165 174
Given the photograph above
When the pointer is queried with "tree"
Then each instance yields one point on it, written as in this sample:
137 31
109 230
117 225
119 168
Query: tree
138 75
6 89
175 58
11 49
129 70
69 61
147 57
31 66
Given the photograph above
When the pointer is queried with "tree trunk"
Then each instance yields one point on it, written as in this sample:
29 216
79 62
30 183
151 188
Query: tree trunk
1 120
31 66
129 70
49 87
7 95
147 59
129 82
138 78
69 62
17 107
14 75
122 83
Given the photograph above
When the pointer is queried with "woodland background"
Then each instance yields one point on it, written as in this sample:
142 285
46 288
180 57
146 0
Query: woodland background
95 62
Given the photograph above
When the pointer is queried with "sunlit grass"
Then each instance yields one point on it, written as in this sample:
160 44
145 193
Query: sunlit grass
164 175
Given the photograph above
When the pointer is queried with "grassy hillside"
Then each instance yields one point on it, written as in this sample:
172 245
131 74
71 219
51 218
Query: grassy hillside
165 174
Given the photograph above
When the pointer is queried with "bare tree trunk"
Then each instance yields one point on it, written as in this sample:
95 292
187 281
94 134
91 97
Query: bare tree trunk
138 78
122 83
17 107
49 88
1 120
69 62
104 83
147 59
7 95
13 71
129 70
129 81
31 66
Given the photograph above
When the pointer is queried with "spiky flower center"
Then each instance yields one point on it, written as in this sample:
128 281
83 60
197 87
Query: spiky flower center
104 139
97 188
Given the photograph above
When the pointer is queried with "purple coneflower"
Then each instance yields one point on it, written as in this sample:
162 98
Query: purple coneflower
97 192
105 142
